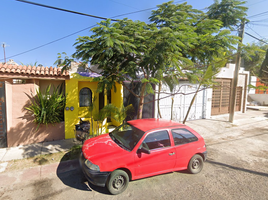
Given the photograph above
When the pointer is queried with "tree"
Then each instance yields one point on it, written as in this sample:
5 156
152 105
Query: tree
179 39
263 73
229 12
253 56
128 50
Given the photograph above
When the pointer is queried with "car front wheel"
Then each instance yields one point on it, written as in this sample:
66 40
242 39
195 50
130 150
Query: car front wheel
196 164
117 182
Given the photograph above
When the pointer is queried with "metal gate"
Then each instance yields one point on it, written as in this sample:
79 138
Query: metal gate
182 103
221 96
3 132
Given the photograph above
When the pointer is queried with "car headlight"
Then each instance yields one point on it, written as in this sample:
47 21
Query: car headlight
91 166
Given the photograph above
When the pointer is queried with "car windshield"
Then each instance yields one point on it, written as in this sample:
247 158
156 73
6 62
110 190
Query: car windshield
126 136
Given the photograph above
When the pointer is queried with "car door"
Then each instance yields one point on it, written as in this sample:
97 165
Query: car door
162 155
185 146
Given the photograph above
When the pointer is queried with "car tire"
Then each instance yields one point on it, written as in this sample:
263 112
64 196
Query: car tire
117 182
196 164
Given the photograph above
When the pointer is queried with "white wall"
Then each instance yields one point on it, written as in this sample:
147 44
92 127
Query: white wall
201 108
253 81
262 99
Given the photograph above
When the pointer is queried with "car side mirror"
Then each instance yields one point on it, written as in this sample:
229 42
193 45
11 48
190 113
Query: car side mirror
144 150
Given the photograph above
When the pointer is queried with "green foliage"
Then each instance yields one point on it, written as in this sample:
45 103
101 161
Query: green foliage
229 12
46 108
261 87
179 40
263 73
253 56
118 114
31 64
64 60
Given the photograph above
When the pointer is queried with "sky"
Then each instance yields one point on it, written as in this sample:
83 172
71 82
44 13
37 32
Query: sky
34 34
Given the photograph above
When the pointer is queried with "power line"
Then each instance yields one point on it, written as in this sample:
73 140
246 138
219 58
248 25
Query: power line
79 30
255 38
254 31
256 3
65 10
263 13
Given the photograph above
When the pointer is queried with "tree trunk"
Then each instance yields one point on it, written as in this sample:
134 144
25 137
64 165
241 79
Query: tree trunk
140 107
158 97
188 111
172 103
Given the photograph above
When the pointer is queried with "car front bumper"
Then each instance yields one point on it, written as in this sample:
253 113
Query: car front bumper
95 177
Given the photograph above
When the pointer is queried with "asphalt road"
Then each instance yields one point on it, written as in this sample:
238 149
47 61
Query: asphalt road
237 168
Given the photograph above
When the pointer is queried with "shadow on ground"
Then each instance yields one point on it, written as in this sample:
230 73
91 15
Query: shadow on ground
71 175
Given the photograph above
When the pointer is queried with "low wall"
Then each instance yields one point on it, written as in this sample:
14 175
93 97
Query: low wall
26 133
21 129
262 99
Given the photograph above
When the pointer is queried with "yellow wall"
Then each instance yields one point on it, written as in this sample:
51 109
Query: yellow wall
73 87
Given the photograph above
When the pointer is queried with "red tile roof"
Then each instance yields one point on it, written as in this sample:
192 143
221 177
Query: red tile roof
7 70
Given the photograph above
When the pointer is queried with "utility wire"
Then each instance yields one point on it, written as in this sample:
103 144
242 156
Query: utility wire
255 38
256 3
78 31
263 13
65 10
255 31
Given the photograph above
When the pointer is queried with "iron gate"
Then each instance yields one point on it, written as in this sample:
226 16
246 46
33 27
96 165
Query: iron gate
3 132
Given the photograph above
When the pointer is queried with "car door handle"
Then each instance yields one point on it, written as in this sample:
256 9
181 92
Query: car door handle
171 154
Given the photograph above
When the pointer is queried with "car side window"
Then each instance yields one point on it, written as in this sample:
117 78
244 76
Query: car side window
183 136
158 139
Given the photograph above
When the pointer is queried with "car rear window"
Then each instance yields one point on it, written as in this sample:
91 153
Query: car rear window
183 136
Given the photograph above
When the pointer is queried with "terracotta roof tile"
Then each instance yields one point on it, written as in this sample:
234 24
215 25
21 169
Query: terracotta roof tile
32 70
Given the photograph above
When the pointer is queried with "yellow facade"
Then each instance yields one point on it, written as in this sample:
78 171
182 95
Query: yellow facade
73 112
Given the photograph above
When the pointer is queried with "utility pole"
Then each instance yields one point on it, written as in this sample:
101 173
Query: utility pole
236 73
4 45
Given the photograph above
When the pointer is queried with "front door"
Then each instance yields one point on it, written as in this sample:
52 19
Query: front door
3 132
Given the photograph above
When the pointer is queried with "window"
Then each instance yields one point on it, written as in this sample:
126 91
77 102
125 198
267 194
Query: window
183 136
85 97
157 140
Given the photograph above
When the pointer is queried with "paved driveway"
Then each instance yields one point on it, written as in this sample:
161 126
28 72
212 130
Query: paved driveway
237 168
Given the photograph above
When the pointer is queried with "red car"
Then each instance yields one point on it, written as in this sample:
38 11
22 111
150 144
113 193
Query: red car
141 148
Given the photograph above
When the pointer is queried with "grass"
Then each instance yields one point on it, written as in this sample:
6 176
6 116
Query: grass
45 159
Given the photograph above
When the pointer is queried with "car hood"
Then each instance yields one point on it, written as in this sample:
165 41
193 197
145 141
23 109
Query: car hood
101 149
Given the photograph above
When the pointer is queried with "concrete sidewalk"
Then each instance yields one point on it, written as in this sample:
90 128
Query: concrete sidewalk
31 150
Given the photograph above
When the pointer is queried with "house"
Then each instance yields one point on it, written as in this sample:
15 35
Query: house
81 91
16 126
209 101
258 96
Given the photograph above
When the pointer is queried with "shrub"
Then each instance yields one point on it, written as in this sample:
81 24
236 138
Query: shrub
46 108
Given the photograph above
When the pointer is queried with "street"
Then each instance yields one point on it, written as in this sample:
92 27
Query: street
237 168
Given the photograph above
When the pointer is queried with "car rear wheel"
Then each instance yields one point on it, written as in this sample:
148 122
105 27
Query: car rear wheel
196 164
117 182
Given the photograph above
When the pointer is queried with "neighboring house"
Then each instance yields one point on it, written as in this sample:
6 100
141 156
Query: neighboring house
16 125
221 94
210 101
257 96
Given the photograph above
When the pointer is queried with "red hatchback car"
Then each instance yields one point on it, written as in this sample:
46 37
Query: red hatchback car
141 148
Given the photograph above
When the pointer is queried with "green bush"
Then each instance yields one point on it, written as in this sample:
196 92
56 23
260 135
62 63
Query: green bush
46 108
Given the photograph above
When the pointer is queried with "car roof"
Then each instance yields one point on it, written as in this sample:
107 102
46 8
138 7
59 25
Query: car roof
153 123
